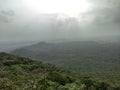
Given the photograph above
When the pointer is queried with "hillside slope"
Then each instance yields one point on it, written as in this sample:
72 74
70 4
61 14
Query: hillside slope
17 73
102 59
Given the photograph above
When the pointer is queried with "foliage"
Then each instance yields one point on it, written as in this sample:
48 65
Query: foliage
17 73
101 59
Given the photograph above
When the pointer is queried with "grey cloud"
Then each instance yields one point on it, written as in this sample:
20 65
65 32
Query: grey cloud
6 15
105 11
8 12
103 18
105 3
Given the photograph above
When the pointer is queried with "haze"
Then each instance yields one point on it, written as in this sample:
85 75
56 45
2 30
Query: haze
29 20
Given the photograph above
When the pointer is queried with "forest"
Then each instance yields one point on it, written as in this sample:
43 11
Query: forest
100 59
18 73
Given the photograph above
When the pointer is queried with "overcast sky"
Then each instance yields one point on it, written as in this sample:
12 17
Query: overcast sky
26 20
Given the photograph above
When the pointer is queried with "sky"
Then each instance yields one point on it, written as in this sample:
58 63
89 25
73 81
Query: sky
22 20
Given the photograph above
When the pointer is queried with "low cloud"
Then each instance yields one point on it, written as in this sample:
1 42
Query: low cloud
6 15
103 19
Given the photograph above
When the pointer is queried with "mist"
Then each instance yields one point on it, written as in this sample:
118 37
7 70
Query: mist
60 44
19 23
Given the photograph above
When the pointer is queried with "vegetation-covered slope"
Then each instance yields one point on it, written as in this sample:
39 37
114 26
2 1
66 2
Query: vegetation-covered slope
102 59
17 73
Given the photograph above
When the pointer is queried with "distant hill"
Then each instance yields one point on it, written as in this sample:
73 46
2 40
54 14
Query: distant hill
7 46
18 73
84 56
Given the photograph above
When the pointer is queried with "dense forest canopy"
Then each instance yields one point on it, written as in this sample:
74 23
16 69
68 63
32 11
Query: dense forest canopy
18 73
